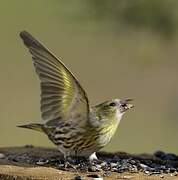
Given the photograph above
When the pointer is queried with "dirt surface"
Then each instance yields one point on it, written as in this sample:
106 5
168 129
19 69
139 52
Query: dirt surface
46 163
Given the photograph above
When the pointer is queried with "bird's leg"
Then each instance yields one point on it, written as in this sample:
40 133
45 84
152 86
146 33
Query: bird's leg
68 163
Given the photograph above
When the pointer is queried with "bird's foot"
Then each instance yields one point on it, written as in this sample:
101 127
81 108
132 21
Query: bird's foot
68 164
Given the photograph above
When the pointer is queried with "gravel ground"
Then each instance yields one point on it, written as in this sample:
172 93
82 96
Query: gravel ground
158 164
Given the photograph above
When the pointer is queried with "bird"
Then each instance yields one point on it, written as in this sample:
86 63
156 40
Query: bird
75 127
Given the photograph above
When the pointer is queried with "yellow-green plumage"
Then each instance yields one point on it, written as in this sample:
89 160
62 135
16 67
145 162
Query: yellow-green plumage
69 122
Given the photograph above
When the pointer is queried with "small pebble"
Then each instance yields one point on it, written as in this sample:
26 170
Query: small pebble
172 170
113 165
161 176
42 162
92 169
114 169
132 161
134 169
2 156
98 166
127 177
103 164
145 167
120 171
147 172
100 178
107 173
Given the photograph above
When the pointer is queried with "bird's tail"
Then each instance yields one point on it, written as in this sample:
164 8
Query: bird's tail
36 127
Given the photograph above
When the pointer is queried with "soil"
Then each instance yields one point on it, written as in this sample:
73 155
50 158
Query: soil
47 163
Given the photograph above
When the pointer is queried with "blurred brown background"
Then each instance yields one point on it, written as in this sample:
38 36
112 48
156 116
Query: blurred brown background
115 48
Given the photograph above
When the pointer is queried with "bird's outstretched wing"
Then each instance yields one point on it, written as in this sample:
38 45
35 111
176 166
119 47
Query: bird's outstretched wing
62 97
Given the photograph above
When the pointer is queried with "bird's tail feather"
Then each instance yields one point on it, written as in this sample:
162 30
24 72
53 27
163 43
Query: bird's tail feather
36 127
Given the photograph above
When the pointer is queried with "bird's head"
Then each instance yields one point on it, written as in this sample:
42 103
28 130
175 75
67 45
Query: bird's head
113 109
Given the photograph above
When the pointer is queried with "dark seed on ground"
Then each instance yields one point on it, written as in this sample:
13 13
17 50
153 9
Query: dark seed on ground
78 178
95 177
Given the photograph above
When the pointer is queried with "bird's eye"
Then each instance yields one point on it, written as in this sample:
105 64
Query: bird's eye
112 104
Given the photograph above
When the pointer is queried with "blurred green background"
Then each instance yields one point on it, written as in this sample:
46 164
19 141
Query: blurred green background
116 48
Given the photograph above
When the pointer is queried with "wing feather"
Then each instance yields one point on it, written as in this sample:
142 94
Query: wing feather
62 97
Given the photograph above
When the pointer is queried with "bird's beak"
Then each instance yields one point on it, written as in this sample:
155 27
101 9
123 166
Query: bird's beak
130 106
127 103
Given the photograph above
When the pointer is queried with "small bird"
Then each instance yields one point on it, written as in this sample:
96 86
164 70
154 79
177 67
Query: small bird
69 122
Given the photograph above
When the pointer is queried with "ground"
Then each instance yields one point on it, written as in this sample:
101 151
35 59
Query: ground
46 163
